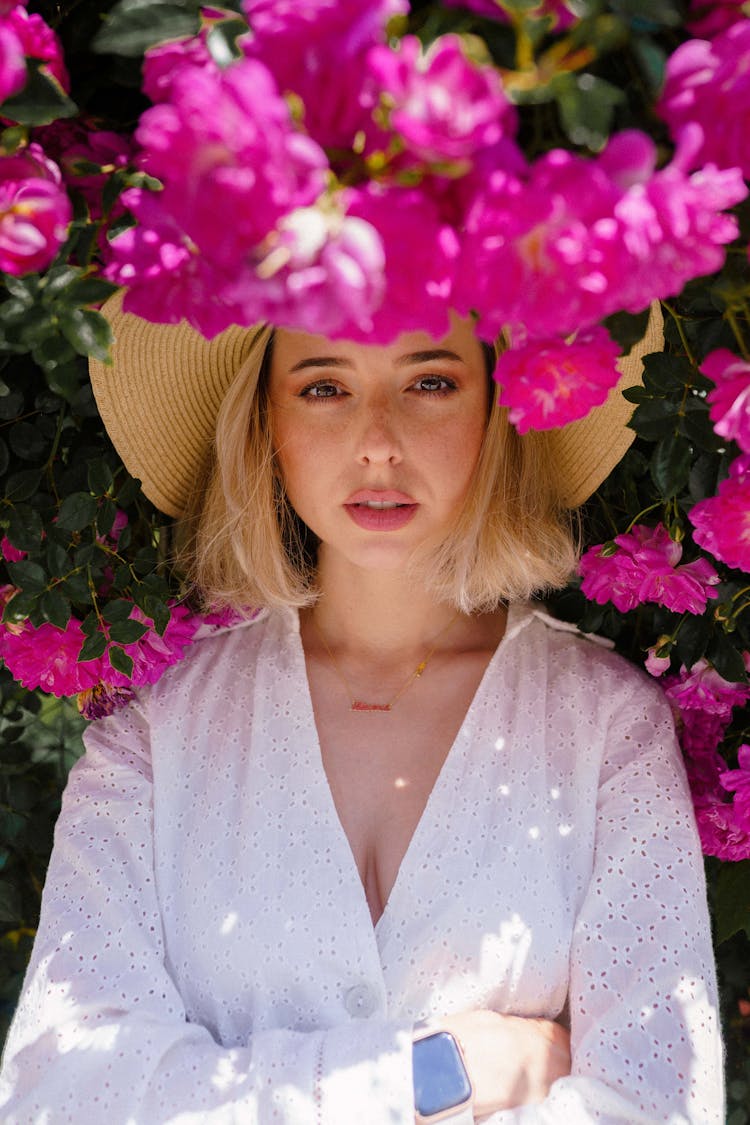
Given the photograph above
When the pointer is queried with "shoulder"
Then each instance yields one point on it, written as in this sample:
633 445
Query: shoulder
588 663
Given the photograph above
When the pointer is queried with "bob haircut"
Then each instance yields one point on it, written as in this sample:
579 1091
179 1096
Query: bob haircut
242 544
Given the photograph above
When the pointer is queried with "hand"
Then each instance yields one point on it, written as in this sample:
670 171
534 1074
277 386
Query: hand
511 1060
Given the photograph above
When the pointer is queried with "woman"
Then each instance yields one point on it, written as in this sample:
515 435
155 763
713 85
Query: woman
400 845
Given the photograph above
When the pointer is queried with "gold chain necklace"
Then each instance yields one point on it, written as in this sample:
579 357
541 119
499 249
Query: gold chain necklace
359 704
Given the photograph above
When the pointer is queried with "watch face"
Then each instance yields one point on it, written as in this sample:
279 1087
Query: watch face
440 1078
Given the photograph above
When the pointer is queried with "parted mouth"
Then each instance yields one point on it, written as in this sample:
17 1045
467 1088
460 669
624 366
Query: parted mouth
379 500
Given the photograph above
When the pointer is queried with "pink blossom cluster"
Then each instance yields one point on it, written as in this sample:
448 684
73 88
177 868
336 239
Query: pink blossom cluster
573 239
35 211
47 657
703 702
25 35
722 523
643 567
707 86
75 142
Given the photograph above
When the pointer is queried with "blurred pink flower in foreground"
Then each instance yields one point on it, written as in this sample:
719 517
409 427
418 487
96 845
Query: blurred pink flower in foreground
574 239
38 41
12 62
444 107
709 17
730 402
707 83
549 383
35 211
314 45
645 569
722 522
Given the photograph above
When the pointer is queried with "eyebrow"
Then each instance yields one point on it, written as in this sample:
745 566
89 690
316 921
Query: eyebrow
403 361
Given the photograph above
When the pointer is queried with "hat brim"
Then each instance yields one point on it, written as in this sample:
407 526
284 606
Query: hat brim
160 398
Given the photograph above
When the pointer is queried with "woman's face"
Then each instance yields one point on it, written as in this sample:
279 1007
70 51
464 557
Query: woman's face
377 444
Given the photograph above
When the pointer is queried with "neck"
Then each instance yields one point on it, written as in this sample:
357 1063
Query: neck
376 613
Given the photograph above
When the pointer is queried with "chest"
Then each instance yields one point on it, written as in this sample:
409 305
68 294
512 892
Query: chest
383 767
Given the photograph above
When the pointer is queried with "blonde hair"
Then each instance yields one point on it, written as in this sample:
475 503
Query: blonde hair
243 545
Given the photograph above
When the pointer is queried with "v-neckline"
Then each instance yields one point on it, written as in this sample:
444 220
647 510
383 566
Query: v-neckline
451 763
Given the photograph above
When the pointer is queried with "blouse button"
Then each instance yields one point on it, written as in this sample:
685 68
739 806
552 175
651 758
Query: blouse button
360 1001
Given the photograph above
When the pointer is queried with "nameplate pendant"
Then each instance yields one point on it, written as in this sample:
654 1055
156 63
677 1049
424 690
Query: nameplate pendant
359 705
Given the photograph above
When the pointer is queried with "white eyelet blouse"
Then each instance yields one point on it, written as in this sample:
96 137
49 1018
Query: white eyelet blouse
206 955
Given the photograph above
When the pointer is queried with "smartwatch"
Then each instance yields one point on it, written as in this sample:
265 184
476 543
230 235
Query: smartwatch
442 1087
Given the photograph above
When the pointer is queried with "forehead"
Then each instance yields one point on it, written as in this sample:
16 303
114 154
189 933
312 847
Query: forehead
291 347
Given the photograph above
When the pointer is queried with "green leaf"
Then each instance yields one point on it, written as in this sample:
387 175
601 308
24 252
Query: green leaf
28 576
77 511
627 328
58 562
655 419
26 441
11 405
669 373
88 332
726 659
25 528
77 589
55 608
732 901
118 610
93 647
22 486
133 26
106 517
128 632
99 477
120 660
587 106
88 291
58 279
670 465
41 101
20 606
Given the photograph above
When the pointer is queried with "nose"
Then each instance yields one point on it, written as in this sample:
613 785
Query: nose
378 439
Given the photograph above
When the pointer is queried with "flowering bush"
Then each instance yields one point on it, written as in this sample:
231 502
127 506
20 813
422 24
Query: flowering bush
360 170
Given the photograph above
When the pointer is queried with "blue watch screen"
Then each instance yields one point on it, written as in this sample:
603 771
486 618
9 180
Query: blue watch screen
440 1078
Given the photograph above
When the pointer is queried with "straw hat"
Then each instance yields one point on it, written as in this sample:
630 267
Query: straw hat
161 397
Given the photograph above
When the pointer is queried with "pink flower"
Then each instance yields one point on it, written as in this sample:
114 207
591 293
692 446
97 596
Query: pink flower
722 522
645 569
730 402
657 665
560 14
418 284
702 689
314 45
325 272
12 63
738 781
547 383
35 211
709 17
724 829
707 83
162 63
38 41
573 240
444 107
9 552
47 657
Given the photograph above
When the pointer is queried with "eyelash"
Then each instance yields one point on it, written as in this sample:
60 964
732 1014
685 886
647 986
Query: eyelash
448 387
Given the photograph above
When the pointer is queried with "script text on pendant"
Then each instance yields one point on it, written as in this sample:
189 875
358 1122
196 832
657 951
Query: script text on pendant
358 705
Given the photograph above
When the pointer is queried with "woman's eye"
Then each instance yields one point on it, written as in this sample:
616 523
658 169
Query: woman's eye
435 384
320 390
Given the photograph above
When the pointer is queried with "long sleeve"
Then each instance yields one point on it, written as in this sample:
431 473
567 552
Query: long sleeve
101 1030
645 1036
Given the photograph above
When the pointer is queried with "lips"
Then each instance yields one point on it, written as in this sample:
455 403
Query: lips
380 510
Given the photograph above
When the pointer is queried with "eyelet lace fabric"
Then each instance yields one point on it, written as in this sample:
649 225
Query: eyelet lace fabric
206 955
